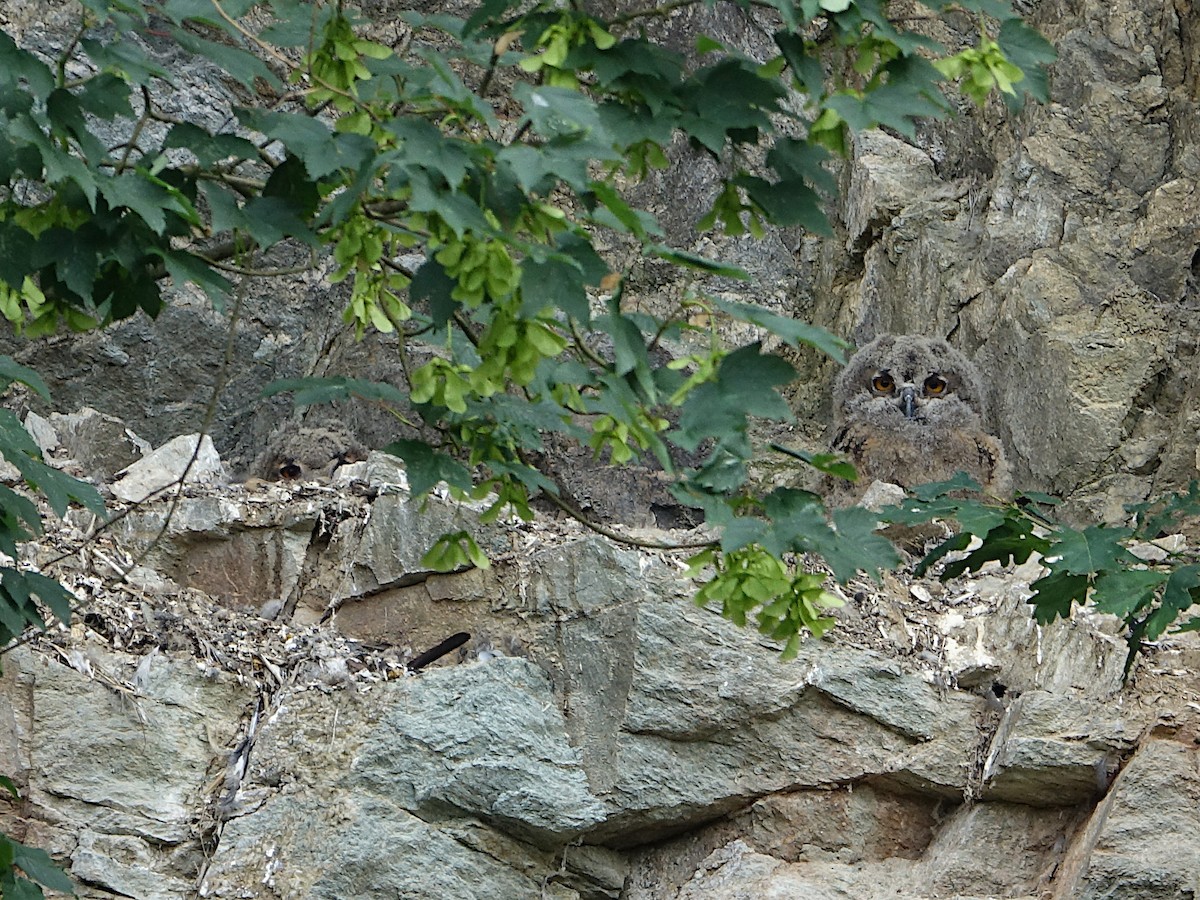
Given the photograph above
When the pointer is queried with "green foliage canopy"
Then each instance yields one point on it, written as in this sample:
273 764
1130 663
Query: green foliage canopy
497 150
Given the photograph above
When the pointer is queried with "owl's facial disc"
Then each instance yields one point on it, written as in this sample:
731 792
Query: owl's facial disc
906 394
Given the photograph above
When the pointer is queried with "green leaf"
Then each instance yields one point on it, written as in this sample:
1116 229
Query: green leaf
639 72
38 865
792 332
73 255
624 217
1179 594
427 467
909 93
433 286
224 208
105 96
11 370
742 532
457 210
60 489
324 390
1125 593
629 346
144 196
974 516
16 252
15 509
62 168
270 219
560 112
50 592
787 202
952 544
806 66
208 148
1013 540
427 146
1031 53
1097 548
485 15
241 64
1164 515
126 58
829 463
960 482
745 385
728 100
694 261
289 185
560 280
17 65
553 283
978 518
857 547
797 159
187 268
67 118
8 785
1053 595
306 138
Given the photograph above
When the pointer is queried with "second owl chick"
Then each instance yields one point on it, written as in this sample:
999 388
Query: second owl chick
306 453
909 410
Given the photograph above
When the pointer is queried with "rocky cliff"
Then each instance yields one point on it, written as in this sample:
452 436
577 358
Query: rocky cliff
233 720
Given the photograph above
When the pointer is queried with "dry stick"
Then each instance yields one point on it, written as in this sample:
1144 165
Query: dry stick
626 539
205 426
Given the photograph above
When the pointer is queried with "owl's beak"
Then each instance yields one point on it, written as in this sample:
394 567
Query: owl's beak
907 396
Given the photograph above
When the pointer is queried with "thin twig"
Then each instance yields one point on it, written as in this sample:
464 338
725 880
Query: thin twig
614 535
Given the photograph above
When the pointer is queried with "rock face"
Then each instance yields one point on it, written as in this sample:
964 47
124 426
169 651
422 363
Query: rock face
234 720
1059 247
598 736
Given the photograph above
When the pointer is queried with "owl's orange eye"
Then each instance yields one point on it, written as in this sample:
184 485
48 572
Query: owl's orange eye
883 383
935 385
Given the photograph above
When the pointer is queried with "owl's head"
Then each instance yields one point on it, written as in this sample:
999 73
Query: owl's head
908 381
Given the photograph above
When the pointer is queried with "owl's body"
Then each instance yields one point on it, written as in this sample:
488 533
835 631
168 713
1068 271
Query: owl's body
306 453
909 410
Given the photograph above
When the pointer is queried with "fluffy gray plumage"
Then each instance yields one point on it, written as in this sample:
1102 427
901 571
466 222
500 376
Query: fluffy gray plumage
305 453
909 410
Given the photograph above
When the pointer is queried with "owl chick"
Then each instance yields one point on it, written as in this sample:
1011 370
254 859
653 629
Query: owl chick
909 410
305 453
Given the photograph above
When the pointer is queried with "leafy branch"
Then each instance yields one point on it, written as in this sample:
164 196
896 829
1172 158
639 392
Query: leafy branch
1127 571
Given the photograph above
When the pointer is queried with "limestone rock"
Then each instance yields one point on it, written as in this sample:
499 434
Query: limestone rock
1055 750
101 445
1135 844
42 432
167 465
